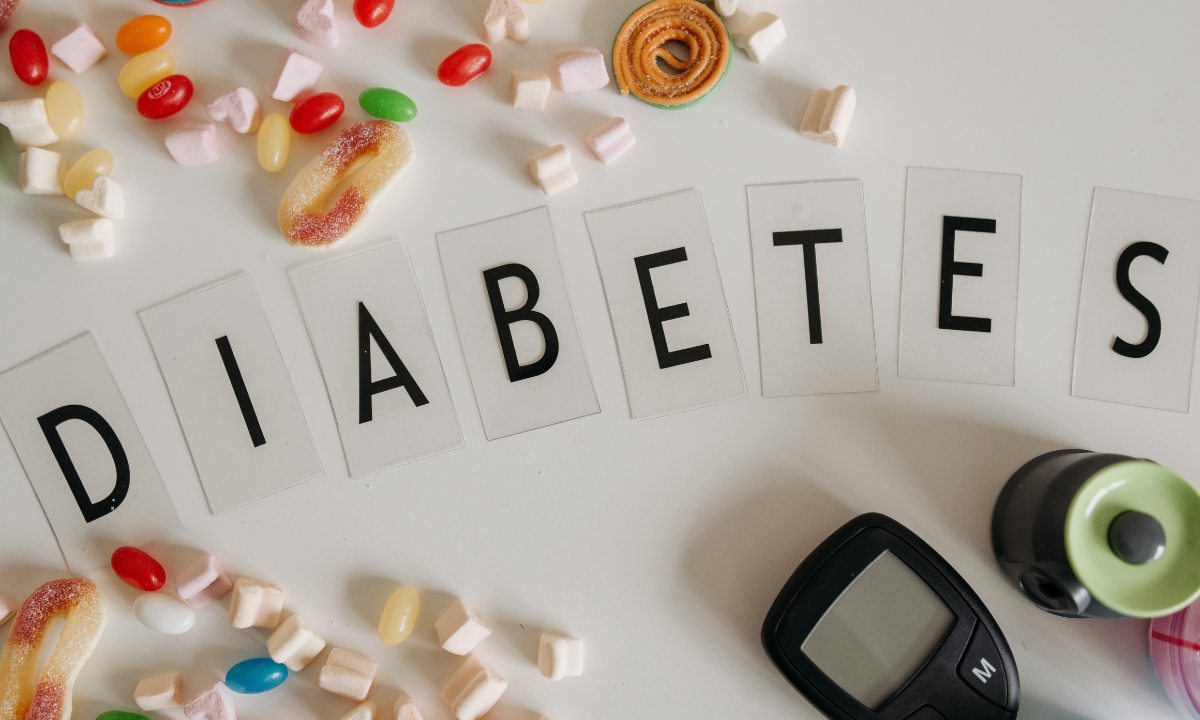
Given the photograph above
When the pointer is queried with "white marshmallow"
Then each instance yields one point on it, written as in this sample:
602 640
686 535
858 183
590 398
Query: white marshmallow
193 144
159 692
580 68
610 141
827 117
759 35
505 18
314 23
88 239
28 123
239 108
551 170
295 643
530 88
362 711
105 198
79 49
42 172
560 656
459 629
295 77
473 689
8 608
348 674
255 604
406 709
724 8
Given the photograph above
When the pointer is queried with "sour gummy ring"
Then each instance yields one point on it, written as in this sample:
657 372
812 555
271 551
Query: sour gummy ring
639 48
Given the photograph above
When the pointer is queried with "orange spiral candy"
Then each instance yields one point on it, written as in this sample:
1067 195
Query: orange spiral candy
24 695
640 46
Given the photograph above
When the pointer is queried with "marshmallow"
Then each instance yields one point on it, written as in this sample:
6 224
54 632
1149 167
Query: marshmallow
42 172
79 49
724 8
580 68
88 239
8 608
530 88
406 709
202 582
551 170
459 629
473 689
827 117
610 141
295 77
295 643
105 198
560 656
759 35
255 604
214 703
314 23
505 18
348 674
193 144
239 108
362 711
28 123
159 692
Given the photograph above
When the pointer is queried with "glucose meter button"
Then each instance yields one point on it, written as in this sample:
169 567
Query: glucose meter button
982 669
926 713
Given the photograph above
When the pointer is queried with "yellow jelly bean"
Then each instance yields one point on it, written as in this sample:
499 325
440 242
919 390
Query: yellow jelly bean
399 615
274 139
85 170
144 70
64 105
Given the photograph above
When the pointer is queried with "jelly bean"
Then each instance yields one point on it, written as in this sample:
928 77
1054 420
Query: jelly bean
143 34
399 615
165 97
464 65
29 59
86 169
317 112
64 107
372 13
144 70
274 139
135 567
258 675
120 715
163 613
387 104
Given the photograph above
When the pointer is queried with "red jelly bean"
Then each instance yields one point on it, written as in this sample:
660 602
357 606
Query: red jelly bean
317 112
464 65
29 59
165 97
372 13
138 569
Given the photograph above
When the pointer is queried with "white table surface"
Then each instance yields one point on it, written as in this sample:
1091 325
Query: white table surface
662 543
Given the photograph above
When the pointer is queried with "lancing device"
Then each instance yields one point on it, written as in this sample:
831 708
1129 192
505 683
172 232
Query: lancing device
875 625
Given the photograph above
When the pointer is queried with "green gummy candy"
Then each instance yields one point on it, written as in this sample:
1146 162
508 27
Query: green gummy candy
121 715
388 104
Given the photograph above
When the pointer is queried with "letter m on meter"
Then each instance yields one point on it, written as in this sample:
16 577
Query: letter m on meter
984 671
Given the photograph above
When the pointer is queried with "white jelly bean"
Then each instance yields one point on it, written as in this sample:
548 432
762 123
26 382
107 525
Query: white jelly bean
164 614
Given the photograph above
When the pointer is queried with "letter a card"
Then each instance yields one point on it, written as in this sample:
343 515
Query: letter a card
1137 309
84 455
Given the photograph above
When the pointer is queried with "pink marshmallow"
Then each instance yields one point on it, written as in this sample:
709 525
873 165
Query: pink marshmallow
295 77
202 582
193 144
8 608
213 703
314 23
79 49
239 108
580 68
611 140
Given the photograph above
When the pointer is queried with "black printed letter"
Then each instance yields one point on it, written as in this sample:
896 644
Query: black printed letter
50 422
367 329
240 391
1138 300
947 320
809 239
504 319
657 316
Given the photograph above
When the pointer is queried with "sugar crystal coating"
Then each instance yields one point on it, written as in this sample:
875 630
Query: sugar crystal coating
640 46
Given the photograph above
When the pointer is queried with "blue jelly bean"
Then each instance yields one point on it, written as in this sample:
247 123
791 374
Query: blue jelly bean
259 675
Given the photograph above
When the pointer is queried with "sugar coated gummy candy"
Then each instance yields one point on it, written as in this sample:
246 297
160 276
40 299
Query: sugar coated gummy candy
26 694
165 97
137 569
6 11
86 169
64 108
254 676
399 615
387 104
274 141
143 34
29 59
464 65
642 65
317 112
372 13
144 70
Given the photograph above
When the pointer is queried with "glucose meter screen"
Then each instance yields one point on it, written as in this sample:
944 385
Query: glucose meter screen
879 632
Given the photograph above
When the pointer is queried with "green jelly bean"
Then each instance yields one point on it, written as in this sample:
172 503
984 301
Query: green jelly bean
121 715
388 104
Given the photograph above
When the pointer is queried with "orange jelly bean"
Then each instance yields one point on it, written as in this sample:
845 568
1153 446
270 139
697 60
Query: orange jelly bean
143 34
